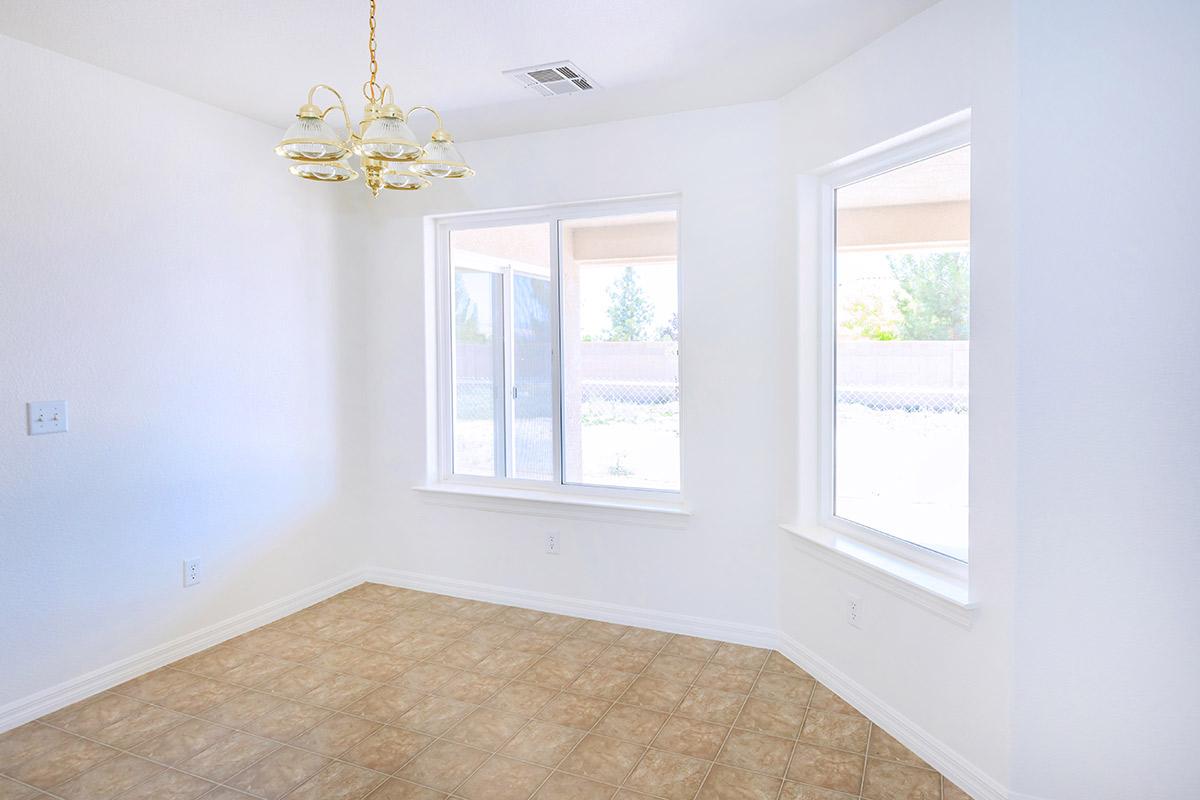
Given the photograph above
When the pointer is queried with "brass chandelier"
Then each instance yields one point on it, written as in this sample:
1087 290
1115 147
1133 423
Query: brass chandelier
388 152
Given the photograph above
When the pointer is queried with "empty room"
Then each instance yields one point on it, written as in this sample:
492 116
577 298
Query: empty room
601 400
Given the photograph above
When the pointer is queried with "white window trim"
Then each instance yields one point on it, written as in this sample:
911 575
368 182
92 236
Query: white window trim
936 581
523 495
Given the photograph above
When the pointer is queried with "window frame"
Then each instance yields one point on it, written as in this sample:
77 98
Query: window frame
442 468
873 162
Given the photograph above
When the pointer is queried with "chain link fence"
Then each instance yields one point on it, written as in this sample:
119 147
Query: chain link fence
911 399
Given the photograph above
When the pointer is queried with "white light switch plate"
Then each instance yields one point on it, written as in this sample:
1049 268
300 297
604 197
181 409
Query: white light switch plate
47 416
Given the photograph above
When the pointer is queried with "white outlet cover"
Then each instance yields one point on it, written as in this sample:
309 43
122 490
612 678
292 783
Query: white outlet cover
854 610
553 543
191 572
47 416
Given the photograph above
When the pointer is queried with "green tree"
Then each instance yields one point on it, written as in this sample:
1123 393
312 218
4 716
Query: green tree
670 331
865 318
629 312
466 314
934 300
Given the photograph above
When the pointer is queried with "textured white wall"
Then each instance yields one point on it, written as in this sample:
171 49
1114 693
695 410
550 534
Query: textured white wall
161 271
1107 626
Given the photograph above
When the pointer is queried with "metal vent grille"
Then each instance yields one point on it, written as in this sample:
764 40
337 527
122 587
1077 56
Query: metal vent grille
560 77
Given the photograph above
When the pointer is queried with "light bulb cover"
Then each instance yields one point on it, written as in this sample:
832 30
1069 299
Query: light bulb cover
442 159
311 138
388 137
323 171
402 181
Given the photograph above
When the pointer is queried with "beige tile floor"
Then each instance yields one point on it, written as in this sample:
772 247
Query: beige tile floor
393 694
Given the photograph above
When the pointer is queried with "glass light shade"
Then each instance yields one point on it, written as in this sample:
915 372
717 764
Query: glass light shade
327 171
402 181
441 160
311 139
389 139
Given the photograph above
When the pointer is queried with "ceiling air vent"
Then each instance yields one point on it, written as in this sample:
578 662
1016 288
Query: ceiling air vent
561 77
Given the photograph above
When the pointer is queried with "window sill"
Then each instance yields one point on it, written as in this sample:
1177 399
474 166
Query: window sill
943 595
557 504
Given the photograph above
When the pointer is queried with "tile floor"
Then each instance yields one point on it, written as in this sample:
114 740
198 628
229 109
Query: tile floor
393 694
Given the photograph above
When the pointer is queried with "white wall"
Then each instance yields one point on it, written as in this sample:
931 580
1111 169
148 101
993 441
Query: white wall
1077 679
161 271
952 683
1107 648
721 564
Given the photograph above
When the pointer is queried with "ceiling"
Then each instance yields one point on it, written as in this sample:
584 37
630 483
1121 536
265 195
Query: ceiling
258 57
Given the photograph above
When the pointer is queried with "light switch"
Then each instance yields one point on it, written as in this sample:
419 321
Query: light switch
47 416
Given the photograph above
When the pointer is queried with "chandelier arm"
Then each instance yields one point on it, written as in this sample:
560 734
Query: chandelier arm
350 135
328 88
433 111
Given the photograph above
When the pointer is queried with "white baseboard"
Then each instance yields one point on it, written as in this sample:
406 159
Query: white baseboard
945 760
738 633
49 700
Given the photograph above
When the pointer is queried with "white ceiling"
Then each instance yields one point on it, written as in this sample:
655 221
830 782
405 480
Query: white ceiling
258 57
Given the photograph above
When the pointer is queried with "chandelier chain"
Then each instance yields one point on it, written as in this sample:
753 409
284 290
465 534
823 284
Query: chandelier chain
371 46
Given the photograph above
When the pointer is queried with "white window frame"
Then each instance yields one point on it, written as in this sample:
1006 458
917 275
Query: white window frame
882 545
443 478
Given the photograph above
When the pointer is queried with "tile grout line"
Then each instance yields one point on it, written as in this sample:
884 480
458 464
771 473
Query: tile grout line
862 784
795 743
729 732
642 755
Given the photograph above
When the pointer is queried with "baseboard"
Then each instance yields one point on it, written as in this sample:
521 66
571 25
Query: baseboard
945 760
590 609
49 700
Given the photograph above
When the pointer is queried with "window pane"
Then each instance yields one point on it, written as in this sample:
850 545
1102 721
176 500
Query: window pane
503 422
620 330
478 372
901 363
533 419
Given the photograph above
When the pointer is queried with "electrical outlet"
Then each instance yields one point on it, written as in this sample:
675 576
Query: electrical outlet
854 610
552 543
191 572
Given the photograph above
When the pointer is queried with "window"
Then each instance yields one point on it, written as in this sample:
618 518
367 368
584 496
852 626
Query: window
560 348
900 333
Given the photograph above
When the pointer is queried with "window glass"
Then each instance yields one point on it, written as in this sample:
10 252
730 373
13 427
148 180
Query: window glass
610 379
533 397
902 352
621 351
478 372
498 305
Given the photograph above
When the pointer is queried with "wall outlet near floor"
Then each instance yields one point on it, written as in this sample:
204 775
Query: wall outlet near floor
191 572
552 544
854 610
